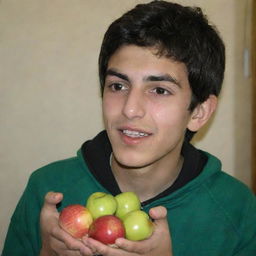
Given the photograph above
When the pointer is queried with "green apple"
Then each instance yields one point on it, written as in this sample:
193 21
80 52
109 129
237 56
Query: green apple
126 202
138 225
100 204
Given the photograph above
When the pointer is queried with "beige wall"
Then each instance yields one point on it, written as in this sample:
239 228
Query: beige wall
49 94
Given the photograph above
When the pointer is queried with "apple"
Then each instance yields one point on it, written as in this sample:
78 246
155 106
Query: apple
100 204
76 220
138 225
126 202
107 229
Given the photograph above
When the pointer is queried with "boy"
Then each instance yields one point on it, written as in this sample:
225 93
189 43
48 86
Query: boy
161 67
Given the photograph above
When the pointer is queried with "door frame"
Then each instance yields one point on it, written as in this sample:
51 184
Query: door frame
253 53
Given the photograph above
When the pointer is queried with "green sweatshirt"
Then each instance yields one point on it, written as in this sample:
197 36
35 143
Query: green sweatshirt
212 215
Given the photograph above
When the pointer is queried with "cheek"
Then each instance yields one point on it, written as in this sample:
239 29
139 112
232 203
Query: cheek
110 107
170 116
105 108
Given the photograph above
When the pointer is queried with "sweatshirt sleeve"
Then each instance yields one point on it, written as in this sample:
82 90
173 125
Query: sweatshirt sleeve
248 231
249 250
23 233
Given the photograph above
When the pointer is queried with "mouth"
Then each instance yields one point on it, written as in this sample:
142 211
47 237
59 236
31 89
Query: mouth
132 136
135 134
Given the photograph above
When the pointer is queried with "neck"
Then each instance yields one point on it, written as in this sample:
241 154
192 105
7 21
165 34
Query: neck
148 181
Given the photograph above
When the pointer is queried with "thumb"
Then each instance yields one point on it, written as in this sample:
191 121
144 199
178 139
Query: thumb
158 213
49 214
51 199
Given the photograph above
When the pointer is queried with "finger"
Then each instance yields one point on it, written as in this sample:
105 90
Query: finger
70 242
161 226
51 199
101 249
134 246
49 213
69 245
58 246
85 251
158 212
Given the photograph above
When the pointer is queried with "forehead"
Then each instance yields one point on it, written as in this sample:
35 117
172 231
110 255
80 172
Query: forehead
135 60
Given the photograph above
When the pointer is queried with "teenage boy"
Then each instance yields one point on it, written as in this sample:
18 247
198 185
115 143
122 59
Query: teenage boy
161 68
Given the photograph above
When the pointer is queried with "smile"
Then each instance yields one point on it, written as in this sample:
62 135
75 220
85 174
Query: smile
134 134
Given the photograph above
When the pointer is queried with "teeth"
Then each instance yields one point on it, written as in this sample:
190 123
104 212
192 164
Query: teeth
134 134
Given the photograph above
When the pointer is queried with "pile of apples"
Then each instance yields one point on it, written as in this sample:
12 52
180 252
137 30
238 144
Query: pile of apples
106 218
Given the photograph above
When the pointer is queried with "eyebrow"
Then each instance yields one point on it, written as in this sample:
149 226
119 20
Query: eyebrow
163 77
113 72
151 78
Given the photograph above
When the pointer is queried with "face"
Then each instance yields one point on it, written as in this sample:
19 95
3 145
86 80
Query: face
145 106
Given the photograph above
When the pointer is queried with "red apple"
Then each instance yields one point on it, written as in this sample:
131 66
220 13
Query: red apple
76 220
107 229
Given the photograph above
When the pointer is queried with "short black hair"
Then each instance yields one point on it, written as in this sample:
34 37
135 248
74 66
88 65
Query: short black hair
180 33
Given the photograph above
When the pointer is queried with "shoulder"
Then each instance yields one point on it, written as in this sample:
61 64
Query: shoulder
232 198
232 202
58 175
61 167
229 192
237 204
223 187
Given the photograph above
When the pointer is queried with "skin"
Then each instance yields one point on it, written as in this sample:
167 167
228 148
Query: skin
56 242
134 101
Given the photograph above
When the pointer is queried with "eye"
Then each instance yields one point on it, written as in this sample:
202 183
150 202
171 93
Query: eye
117 87
161 91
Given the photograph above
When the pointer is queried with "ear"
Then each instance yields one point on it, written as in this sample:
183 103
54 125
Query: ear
202 113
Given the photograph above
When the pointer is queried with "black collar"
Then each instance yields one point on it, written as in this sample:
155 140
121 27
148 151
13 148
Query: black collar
96 153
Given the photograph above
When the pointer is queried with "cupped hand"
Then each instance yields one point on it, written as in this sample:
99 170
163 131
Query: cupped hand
55 241
159 243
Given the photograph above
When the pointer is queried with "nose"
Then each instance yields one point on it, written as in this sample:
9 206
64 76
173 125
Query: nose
134 105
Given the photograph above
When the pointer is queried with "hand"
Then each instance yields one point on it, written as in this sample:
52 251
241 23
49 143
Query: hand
56 241
158 244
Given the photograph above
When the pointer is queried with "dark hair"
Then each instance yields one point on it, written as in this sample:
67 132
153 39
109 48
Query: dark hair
180 33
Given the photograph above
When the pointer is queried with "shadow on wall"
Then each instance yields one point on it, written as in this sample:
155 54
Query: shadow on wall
242 91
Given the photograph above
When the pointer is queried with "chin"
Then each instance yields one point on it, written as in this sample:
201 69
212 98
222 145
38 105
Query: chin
132 162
